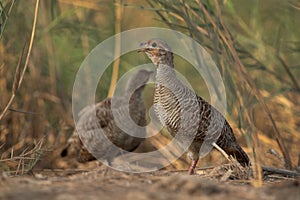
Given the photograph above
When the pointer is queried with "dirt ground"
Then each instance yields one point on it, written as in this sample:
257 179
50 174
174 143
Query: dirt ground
104 183
56 177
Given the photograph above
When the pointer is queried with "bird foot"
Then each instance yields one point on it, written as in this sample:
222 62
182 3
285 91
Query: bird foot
191 171
192 167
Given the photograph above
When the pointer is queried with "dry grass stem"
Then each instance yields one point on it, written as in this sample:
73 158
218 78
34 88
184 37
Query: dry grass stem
114 77
221 150
4 19
15 84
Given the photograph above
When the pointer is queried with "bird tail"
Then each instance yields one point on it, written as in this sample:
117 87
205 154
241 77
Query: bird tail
237 152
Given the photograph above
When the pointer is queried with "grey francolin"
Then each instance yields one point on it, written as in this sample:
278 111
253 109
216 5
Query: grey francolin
189 118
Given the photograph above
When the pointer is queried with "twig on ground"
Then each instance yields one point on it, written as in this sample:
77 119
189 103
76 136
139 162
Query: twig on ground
221 150
283 172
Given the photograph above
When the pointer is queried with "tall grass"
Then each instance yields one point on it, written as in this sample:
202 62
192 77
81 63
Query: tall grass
66 31
255 45
118 22
41 106
252 46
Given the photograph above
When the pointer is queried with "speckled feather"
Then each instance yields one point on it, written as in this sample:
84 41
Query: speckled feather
185 113
89 125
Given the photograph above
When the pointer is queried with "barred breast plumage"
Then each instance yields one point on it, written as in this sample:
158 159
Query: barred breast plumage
109 113
188 117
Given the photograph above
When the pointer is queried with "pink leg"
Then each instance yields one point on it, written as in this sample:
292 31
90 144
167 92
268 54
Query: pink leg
192 167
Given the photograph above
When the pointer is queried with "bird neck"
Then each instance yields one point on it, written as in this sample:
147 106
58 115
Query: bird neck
165 58
135 86
135 94
165 74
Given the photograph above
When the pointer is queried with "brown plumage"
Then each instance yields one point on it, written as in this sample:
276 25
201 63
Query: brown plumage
194 123
109 114
75 147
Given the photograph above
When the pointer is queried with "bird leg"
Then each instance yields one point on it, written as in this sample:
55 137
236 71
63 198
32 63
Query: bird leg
192 167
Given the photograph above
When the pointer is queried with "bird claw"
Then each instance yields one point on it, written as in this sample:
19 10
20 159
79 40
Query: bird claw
191 171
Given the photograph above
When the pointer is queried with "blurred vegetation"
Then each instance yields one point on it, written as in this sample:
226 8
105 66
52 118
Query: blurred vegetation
255 44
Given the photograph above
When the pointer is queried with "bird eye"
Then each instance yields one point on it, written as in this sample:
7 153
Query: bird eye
154 44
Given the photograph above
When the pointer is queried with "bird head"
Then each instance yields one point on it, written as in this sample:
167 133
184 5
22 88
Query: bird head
158 51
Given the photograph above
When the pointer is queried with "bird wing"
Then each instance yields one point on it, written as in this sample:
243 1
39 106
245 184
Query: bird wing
103 112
